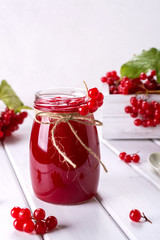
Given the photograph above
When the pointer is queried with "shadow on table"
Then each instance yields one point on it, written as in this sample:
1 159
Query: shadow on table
59 227
98 197
13 139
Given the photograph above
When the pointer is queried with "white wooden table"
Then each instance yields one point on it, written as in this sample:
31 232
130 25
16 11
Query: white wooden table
106 216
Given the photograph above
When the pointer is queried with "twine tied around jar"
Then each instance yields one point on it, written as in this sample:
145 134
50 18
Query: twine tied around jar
67 117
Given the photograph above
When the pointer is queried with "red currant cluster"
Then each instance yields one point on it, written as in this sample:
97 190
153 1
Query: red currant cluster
9 121
135 216
95 100
129 157
149 113
130 86
25 222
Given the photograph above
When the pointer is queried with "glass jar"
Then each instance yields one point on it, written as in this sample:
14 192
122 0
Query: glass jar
53 179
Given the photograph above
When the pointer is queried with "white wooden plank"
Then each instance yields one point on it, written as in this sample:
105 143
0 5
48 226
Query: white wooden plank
114 104
144 147
123 189
124 128
11 196
84 221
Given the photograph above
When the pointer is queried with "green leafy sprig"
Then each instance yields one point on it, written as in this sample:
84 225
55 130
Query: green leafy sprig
10 98
147 60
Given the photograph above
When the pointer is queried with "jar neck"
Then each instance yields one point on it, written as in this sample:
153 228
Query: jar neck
60 100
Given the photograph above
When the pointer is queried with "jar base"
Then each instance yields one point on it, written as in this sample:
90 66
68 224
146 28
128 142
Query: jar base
66 203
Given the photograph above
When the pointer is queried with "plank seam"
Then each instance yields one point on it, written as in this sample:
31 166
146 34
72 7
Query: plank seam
129 235
114 150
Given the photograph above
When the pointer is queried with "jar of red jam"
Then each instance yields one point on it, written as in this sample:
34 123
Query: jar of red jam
54 179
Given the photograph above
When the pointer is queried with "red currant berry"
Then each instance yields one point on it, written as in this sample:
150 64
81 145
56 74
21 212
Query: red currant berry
100 104
113 73
135 109
93 93
156 121
83 110
110 81
116 78
11 112
149 112
125 91
127 158
6 121
128 84
100 97
93 110
128 109
152 86
39 214
144 123
108 74
20 119
136 81
51 222
25 213
139 102
24 114
149 122
135 158
6 116
137 122
143 76
103 79
18 224
135 215
40 227
13 128
134 114
156 105
141 111
116 91
133 101
125 78
122 155
157 114
28 226
1 134
152 103
120 89
145 105
112 88
153 73
92 104
151 79
15 212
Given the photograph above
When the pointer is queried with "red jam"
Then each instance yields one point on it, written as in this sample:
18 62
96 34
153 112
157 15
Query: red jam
53 179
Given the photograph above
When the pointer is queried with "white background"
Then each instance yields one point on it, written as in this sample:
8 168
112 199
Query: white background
54 43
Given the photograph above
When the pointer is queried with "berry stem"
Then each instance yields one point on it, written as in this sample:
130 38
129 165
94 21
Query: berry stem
117 82
86 88
148 92
134 153
146 219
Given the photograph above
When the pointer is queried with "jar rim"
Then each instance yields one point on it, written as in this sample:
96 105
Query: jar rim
60 99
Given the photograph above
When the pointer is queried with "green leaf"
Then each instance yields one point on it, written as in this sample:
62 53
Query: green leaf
9 97
147 60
